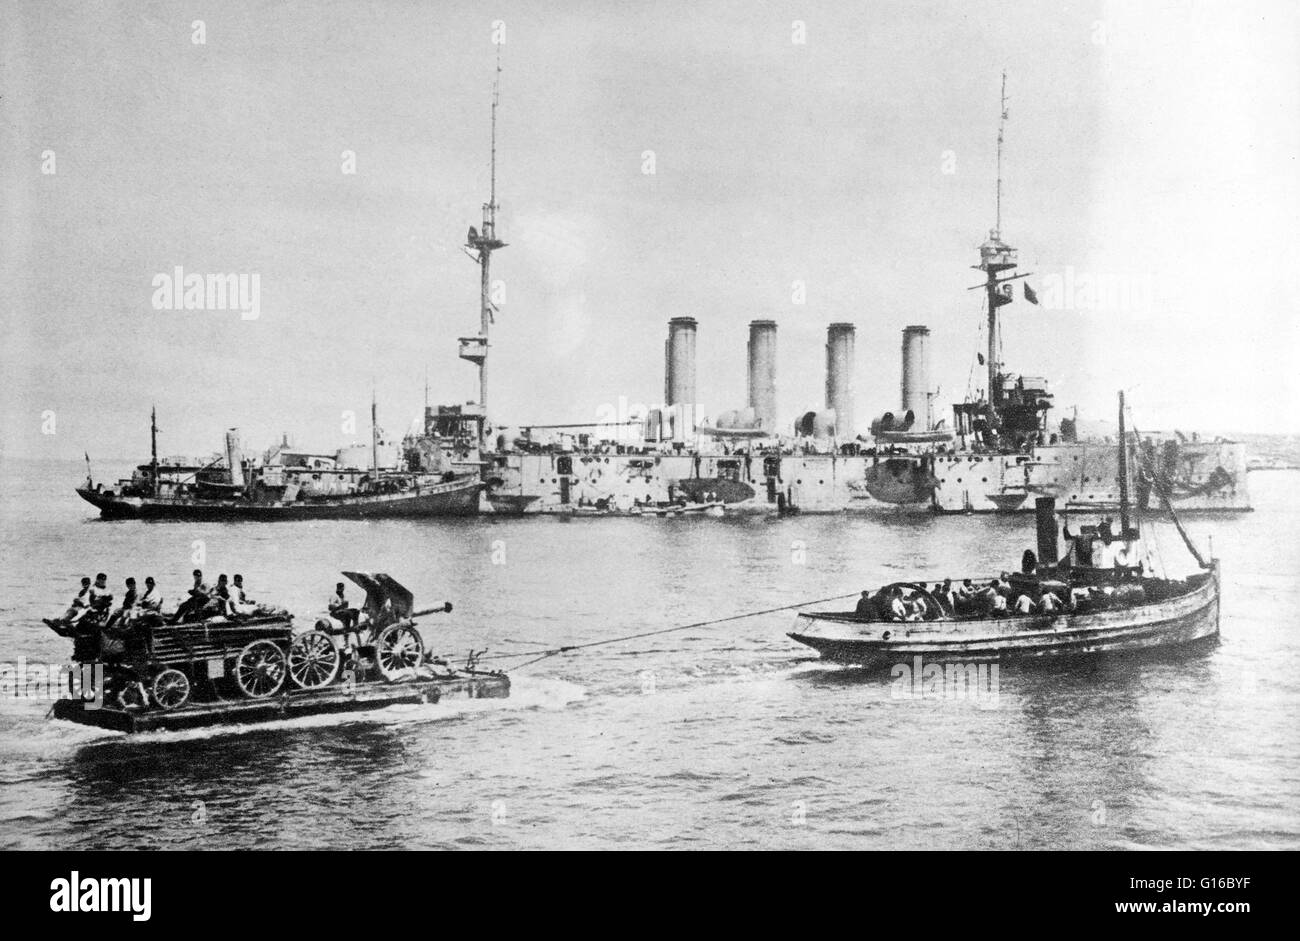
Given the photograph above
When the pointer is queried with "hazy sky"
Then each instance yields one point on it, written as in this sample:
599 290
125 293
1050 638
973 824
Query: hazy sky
1153 144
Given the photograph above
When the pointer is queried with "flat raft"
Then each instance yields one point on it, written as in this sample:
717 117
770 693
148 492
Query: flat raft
361 697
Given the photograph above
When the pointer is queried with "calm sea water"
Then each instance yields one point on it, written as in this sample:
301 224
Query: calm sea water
723 736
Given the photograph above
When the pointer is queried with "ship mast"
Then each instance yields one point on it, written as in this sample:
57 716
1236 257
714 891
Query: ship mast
1123 472
996 256
480 245
1002 123
374 437
994 365
153 446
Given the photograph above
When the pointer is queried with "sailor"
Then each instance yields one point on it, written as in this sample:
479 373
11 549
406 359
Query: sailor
866 607
198 597
1024 604
343 612
1049 603
997 600
80 604
947 596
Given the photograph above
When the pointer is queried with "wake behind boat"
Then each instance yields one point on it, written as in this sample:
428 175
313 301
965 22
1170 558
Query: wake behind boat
1097 598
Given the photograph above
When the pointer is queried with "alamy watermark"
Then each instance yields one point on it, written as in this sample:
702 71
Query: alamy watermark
181 291
47 682
1109 291
975 682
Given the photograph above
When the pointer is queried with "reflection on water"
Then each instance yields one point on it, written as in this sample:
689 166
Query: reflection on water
724 736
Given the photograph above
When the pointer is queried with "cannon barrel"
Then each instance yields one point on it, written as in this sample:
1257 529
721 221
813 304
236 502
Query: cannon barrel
444 608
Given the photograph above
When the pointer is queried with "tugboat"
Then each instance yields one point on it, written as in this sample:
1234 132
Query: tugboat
150 675
1097 598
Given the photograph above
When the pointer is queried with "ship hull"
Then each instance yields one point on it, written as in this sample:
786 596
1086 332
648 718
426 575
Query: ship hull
1189 619
1210 477
291 705
460 498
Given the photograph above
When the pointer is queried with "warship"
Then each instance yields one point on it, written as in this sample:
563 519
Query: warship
997 454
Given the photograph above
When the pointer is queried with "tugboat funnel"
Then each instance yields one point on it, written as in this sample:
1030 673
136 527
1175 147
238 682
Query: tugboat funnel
1048 547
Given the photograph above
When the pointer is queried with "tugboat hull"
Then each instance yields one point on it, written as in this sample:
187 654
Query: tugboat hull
292 705
1176 622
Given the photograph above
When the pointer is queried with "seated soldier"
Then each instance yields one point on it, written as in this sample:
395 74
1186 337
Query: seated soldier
198 597
80 604
100 599
218 603
127 610
341 611
238 604
151 600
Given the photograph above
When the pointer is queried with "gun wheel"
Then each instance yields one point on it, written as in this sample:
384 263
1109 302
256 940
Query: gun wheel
170 689
260 669
313 660
398 651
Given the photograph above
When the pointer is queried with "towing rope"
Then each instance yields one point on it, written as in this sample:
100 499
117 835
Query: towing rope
556 651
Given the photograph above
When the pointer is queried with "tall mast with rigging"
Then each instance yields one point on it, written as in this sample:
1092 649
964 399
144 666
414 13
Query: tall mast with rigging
996 256
480 244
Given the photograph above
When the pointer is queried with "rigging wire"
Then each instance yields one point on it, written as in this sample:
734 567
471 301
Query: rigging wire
556 651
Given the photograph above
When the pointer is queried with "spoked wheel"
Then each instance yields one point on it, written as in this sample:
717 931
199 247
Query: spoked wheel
313 660
260 669
398 651
170 689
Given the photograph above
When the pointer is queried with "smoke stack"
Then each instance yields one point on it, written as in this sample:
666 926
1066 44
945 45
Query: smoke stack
916 374
679 375
235 457
762 372
1045 519
839 377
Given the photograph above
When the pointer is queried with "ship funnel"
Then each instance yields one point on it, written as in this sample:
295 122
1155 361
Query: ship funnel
762 372
1045 517
235 457
679 375
839 377
916 374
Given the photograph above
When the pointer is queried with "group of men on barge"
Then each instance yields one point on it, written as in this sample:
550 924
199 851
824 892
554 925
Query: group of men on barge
226 598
